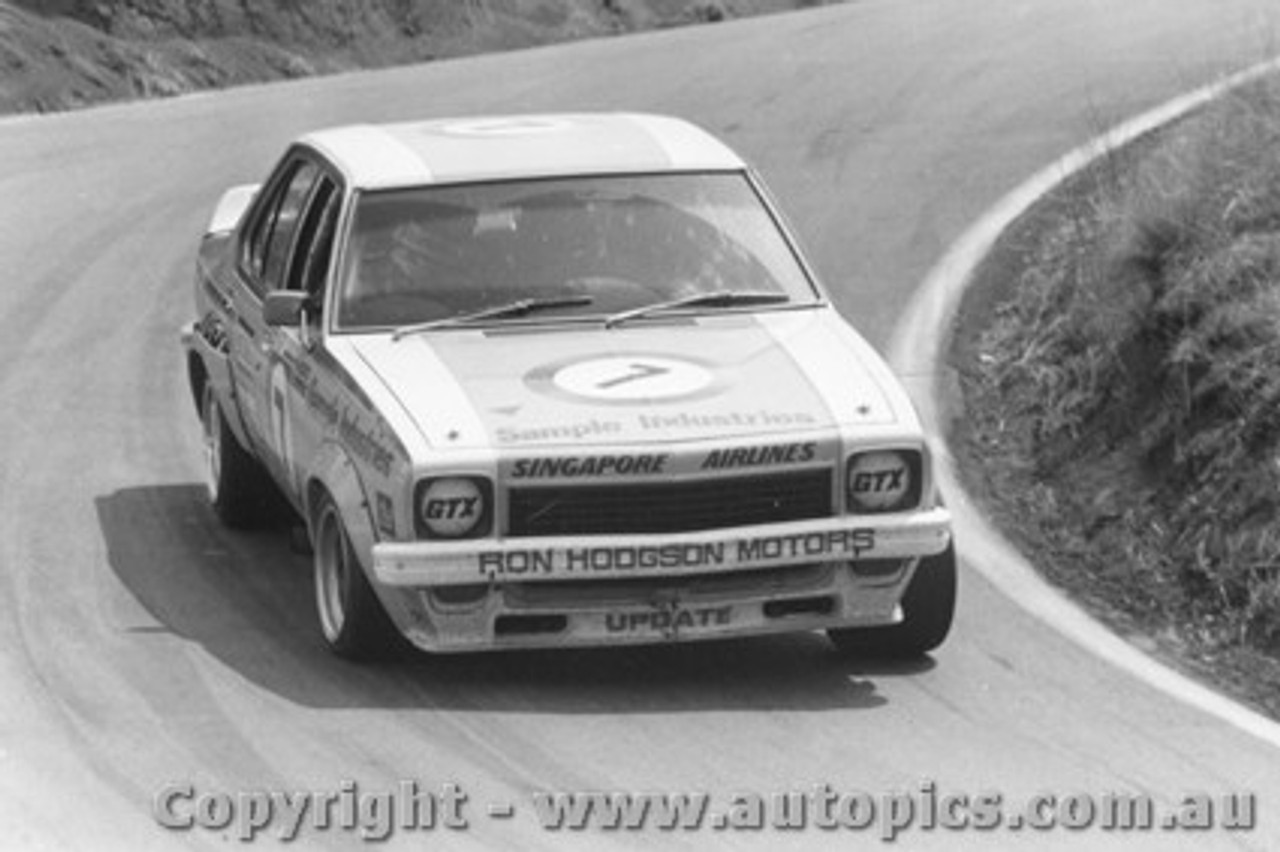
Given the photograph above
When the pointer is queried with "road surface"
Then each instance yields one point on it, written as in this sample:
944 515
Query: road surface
142 646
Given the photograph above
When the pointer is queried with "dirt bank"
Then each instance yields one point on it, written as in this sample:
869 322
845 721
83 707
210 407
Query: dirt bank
62 54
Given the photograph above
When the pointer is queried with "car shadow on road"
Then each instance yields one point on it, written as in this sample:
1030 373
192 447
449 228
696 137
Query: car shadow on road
246 599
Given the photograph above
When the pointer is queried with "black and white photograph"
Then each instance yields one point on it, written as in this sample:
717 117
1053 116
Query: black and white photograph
640 424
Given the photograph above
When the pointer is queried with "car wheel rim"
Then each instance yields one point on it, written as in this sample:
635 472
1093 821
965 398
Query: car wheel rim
212 444
331 574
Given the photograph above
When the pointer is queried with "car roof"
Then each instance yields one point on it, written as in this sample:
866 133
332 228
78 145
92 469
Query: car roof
459 150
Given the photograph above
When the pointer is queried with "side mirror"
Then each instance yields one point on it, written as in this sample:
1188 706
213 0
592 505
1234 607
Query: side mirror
284 308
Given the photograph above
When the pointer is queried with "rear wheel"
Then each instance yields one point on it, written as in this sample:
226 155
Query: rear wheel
240 491
352 620
928 607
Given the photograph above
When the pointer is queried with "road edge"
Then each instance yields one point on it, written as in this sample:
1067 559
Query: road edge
917 353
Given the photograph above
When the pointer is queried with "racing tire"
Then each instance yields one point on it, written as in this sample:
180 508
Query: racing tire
242 495
928 608
352 621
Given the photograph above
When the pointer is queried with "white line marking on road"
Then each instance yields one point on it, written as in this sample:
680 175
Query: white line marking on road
917 351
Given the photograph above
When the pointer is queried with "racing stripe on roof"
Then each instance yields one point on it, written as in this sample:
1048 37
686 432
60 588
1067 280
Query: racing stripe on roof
687 146
522 146
373 156
528 146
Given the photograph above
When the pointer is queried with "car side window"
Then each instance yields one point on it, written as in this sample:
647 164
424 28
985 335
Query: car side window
285 224
256 238
269 236
258 235
314 246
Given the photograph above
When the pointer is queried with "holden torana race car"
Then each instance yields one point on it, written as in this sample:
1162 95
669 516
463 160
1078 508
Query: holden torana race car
556 380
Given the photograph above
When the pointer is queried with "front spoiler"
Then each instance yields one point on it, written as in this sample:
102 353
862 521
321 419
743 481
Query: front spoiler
528 560
803 598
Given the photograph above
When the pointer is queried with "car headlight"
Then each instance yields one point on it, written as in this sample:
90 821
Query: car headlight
884 481
454 507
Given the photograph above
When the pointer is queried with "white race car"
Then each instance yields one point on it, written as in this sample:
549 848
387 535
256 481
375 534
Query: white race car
557 380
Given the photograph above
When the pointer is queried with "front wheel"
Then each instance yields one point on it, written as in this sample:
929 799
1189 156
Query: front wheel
352 620
928 607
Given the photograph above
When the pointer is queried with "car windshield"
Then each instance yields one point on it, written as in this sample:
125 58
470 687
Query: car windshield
431 254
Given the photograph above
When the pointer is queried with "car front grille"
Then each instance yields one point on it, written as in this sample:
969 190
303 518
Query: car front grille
669 507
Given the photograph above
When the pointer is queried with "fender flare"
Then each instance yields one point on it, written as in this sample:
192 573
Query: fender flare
207 365
336 473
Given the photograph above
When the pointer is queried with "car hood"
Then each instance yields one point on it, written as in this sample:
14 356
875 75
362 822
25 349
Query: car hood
732 376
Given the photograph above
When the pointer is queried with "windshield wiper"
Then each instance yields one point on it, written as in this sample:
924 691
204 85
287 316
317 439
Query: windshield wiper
518 308
713 299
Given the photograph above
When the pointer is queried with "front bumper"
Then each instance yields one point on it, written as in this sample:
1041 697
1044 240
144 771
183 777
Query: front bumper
638 589
845 538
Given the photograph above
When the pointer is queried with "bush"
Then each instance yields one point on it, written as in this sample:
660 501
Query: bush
1145 337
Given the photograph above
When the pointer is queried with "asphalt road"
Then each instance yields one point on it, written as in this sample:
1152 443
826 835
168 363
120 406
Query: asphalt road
142 645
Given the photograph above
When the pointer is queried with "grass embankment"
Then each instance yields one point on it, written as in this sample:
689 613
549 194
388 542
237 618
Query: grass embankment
1122 400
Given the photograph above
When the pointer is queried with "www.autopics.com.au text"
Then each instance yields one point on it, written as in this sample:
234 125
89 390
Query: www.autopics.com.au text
411 806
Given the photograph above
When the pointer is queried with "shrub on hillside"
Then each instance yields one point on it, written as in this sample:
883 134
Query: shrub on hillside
1147 332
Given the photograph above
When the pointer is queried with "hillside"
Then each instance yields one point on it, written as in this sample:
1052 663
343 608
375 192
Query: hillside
62 54
1117 355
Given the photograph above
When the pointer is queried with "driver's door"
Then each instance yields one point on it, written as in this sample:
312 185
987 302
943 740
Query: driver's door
297 418
266 252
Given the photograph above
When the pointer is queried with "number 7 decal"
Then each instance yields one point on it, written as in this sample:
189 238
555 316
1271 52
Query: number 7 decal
639 372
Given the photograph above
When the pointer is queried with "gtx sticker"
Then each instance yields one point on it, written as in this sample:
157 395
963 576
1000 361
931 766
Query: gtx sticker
628 379
879 480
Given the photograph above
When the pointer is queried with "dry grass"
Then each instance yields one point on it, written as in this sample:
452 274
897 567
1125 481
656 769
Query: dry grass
1135 376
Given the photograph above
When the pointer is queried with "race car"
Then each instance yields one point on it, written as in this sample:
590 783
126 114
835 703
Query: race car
554 381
